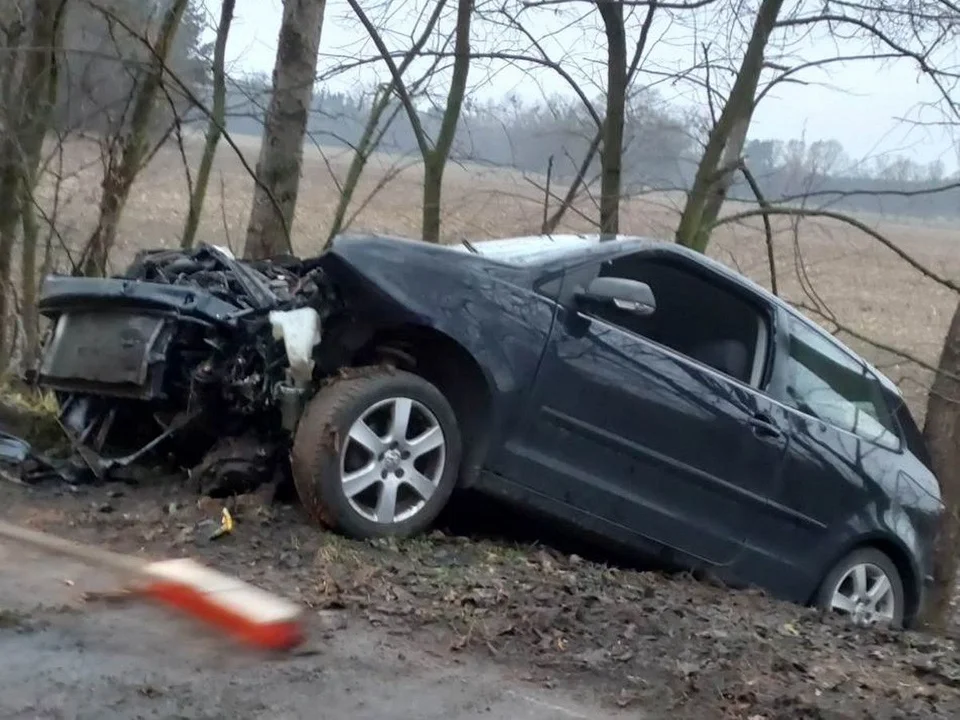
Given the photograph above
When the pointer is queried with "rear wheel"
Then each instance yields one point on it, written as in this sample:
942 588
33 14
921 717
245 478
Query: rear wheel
377 454
866 587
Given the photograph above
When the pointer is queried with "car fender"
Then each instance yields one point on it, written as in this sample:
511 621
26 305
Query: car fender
894 532
502 324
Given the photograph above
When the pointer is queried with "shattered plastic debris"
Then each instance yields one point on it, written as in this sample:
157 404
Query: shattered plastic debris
226 525
13 449
33 467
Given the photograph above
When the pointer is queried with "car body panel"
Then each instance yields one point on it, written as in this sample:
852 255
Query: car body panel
489 309
800 497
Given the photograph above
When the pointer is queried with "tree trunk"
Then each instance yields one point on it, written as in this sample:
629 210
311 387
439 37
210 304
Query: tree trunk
281 148
119 175
611 156
28 272
550 225
113 197
10 58
435 161
726 173
432 185
941 433
366 145
27 122
370 138
9 215
713 178
215 126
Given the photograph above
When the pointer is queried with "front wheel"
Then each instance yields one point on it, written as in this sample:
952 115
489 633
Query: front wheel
377 454
866 587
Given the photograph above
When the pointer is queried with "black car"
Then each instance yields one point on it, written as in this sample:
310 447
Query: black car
639 391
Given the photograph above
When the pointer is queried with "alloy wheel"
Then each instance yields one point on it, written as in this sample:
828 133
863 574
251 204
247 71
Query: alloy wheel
866 595
392 460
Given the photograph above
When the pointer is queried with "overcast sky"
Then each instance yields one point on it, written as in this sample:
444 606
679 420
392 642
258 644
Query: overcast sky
862 107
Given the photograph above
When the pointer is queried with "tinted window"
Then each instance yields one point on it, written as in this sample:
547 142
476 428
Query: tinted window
694 316
827 383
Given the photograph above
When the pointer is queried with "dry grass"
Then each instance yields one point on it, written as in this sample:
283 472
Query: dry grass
865 285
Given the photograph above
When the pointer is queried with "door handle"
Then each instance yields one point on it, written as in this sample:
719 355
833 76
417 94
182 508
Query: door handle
764 426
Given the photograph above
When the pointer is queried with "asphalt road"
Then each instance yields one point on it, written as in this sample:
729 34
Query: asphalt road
63 658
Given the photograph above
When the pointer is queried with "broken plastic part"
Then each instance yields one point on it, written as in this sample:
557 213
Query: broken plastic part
300 331
291 400
226 525
13 449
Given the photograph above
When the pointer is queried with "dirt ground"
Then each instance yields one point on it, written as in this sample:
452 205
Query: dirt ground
63 658
506 619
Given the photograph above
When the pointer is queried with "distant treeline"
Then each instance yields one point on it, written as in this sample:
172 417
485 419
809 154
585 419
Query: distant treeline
661 151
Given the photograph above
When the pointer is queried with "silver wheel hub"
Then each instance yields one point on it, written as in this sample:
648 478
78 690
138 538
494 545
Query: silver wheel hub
865 594
392 460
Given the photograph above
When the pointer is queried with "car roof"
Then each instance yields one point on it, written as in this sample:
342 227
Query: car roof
548 250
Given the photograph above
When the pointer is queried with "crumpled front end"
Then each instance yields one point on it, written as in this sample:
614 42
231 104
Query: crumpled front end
192 345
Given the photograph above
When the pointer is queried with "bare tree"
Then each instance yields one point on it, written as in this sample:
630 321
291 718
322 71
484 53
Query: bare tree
281 148
214 125
611 154
26 121
375 127
724 147
434 153
609 137
126 155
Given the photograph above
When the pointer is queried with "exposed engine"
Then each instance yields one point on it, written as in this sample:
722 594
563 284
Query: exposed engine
206 342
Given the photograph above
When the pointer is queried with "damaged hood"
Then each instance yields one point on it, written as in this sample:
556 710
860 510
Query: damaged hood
208 284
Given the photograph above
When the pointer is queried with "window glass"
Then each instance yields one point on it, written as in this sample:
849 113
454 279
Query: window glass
694 316
827 383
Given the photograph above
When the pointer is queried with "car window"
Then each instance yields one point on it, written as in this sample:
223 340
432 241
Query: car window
825 382
695 316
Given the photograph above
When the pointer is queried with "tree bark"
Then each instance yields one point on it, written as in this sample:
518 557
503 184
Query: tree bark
214 126
611 155
281 149
941 433
22 145
28 271
435 161
120 175
725 141
551 224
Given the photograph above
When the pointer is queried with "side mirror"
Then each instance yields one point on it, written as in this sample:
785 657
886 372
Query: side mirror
630 295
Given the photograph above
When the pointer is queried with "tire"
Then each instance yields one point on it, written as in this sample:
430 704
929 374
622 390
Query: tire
874 562
326 453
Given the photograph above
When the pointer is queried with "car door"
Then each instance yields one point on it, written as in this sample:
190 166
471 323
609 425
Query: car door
634 432
842 439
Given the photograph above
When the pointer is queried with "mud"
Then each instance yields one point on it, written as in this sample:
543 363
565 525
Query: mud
507 618
113 660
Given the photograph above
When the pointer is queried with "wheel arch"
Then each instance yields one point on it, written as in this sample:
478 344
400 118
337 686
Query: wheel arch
898 553
444 362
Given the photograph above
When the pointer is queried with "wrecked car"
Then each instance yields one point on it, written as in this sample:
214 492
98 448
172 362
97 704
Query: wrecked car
639 392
